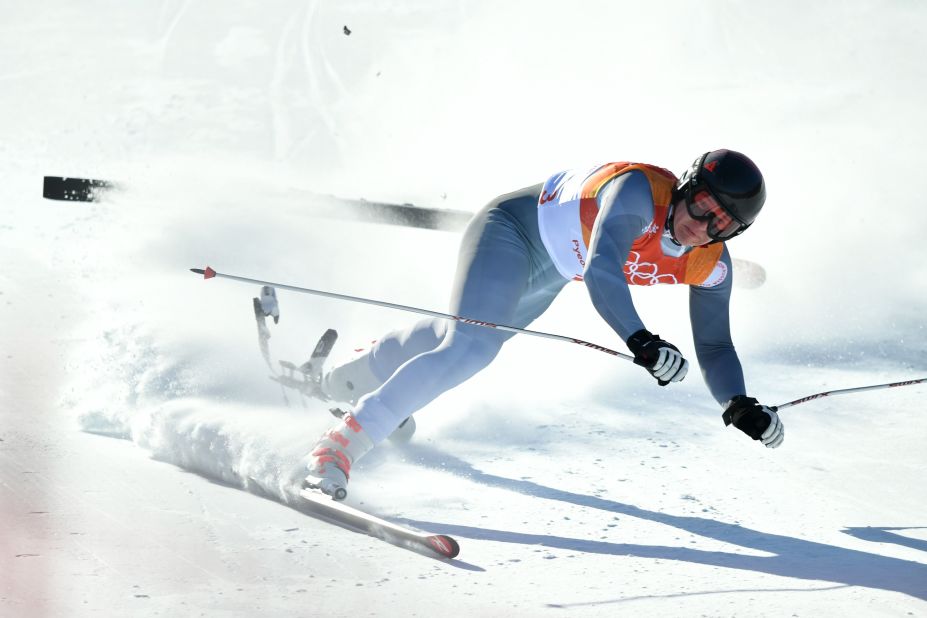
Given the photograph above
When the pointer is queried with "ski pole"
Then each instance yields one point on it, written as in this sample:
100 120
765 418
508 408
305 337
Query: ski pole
209 273
846 391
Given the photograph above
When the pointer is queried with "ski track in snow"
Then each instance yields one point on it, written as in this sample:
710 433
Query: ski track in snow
570 480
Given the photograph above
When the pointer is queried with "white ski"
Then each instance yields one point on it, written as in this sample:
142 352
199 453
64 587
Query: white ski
323 506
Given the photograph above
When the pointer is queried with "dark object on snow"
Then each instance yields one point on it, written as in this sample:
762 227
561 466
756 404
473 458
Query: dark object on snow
347 31
74 189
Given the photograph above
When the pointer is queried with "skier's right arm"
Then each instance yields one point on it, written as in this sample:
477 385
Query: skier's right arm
625 210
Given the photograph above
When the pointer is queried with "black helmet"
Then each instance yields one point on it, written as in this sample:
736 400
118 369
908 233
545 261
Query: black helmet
735 183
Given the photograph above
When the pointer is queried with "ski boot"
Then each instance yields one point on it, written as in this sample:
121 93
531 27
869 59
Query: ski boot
332 457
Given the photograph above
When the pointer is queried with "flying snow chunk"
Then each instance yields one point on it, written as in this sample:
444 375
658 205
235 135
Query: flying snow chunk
269 303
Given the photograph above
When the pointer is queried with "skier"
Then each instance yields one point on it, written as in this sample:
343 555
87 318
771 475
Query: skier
611 226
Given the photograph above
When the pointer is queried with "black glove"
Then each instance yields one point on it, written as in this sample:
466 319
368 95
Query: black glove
754 419
663 360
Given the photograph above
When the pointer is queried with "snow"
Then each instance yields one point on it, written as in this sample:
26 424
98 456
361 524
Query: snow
147 464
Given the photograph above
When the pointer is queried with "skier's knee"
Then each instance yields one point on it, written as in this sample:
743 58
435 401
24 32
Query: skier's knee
397 347
351 381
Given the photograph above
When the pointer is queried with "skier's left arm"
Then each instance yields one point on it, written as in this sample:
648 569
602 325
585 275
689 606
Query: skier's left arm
709 311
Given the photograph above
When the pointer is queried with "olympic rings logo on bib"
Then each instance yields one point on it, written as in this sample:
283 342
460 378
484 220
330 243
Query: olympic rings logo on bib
645 273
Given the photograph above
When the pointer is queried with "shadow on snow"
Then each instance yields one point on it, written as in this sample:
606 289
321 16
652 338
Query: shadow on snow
796 558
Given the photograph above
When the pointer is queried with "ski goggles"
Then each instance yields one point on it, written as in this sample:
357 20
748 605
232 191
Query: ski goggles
704 206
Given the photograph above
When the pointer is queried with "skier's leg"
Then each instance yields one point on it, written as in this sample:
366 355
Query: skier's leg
500 279
364 374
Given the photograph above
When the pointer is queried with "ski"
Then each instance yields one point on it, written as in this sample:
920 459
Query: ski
323 506
322 349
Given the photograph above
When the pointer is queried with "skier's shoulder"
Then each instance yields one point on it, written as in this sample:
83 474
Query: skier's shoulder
628 194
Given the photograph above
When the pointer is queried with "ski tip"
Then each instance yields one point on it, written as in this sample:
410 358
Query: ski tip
208 273
444 545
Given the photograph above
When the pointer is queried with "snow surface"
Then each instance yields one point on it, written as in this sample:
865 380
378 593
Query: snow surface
574 484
